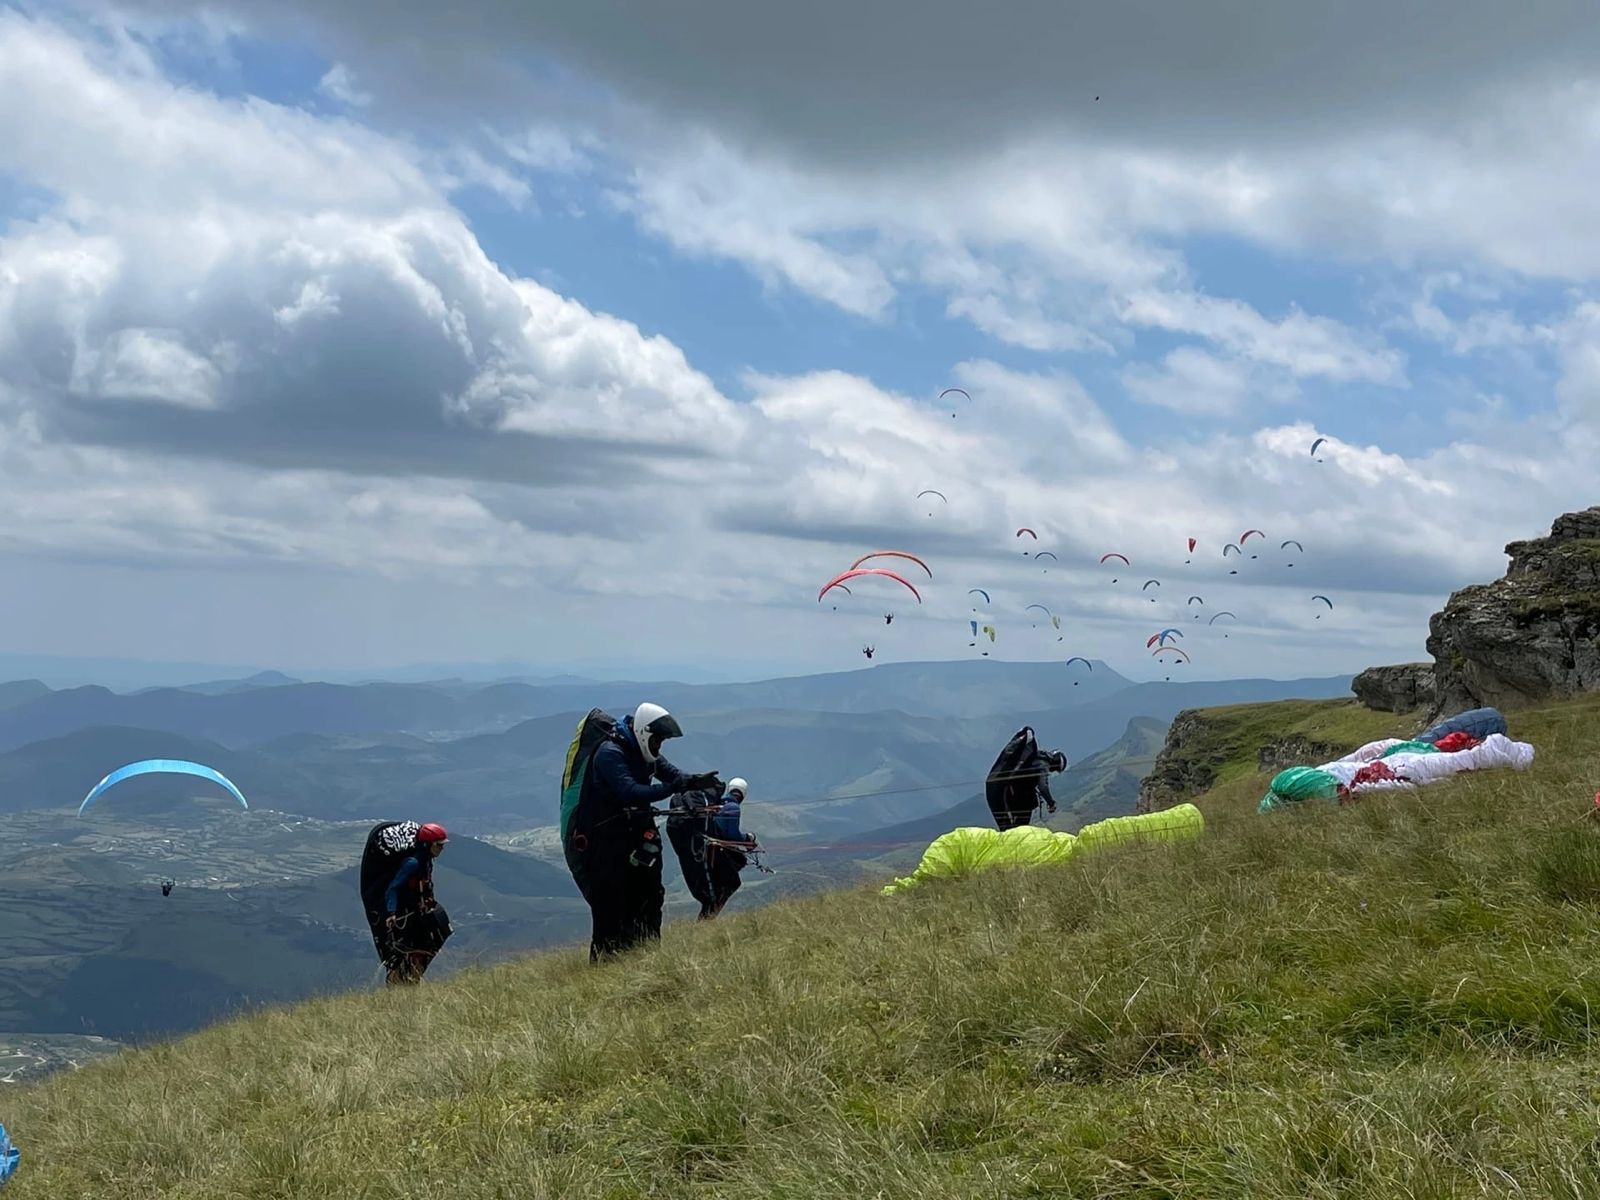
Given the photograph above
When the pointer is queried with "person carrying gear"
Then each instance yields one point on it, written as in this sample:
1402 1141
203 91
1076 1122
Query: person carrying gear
615 849
1019 781
408 926
726 862
700 829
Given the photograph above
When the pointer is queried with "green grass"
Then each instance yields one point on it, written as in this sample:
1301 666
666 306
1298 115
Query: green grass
1400 998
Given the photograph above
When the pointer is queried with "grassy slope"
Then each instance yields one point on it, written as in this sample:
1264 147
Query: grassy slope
1391 999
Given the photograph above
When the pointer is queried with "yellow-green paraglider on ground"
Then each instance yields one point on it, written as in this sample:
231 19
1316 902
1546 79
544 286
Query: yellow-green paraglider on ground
961 852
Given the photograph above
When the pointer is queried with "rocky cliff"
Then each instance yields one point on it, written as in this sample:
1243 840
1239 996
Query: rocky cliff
1533 635
1184 768
1210 747
1399 689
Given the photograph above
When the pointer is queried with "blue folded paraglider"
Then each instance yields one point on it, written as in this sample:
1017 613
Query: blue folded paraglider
162 766
9 1155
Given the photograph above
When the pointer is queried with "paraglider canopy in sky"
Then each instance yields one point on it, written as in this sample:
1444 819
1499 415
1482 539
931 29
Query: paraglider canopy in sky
893 554
162 766
838 580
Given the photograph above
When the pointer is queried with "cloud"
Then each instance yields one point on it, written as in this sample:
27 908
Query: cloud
213 295
269 338
337 83
1195 383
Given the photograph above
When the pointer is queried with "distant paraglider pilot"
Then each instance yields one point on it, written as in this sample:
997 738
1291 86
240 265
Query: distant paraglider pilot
869 651
408 926
167 885
1019 781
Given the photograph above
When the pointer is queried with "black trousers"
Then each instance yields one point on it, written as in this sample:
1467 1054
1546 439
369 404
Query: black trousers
624 900
1010 820
725 866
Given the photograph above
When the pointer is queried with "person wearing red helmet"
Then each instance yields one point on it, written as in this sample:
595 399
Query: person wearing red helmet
408 925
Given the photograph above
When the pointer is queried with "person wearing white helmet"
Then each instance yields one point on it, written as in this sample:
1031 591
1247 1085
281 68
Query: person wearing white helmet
729 813
629 777
725 862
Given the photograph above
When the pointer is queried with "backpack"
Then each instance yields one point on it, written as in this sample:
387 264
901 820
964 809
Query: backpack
387 844
1006 779
597 727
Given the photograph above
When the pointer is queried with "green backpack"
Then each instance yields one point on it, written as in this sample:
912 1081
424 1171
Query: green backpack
597 727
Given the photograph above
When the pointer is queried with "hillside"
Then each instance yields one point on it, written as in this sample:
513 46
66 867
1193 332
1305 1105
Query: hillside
1388 999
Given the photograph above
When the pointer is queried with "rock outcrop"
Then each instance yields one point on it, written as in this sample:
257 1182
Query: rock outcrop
1533 635
1295 751
1398 689
1184 768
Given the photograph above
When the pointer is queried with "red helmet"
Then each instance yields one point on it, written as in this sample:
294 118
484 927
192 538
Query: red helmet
432 833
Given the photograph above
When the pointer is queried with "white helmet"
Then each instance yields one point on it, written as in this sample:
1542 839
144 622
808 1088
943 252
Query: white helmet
651 722
738 785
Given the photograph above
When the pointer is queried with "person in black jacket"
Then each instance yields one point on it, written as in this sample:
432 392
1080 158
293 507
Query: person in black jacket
408 926
1019 781
627 777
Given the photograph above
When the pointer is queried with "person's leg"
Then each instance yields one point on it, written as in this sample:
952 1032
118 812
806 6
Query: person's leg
645 897
607 898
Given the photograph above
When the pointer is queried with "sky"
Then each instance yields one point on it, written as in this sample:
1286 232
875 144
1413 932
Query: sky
342 336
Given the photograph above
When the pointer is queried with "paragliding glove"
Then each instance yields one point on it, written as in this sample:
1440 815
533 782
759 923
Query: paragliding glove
710 781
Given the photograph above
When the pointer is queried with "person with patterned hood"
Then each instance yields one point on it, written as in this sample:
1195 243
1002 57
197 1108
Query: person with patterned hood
408 925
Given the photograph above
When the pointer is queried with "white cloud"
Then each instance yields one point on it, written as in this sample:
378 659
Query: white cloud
338 83
266 337
1196 383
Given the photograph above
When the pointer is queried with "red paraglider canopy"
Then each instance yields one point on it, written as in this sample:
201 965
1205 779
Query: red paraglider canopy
892 554
838 580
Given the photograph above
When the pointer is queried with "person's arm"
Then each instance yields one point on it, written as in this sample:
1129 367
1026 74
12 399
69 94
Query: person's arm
667 773
407 872
1044 791
618 784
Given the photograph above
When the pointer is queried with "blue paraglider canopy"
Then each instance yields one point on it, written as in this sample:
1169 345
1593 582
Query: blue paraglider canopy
162 766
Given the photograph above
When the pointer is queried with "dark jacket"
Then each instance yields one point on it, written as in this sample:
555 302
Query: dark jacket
624 787
1019 781
624 780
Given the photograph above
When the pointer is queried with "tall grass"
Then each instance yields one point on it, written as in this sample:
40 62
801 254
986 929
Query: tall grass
1397 998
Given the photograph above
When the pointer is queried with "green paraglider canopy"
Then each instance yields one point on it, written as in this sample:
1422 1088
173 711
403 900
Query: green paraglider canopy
1297 785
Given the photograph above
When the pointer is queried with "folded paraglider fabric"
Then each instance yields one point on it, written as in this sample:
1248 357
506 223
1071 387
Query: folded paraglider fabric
1171 824
1452 742
1296 785
1417 747
1371 750
1497 750
9 1156
1373 773
963 852
1479 722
